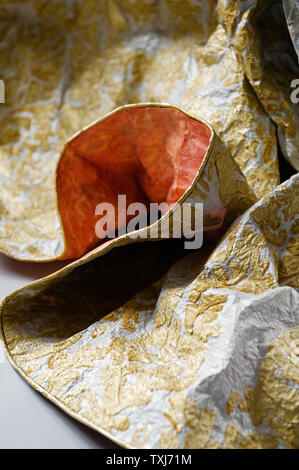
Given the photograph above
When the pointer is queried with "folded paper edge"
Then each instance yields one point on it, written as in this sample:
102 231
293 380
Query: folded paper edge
59 257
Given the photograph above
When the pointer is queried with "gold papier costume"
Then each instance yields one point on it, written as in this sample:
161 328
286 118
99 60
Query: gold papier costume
150 344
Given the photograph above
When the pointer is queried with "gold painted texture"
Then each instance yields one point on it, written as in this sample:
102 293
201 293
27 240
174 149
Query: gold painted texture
150 344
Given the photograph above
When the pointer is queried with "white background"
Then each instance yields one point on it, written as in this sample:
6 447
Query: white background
27 419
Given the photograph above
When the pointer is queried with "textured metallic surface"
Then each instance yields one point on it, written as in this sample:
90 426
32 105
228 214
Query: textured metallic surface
74 61
291 8
201 354
205 357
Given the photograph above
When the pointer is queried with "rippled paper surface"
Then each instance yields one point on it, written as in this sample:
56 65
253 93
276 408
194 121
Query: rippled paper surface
208 355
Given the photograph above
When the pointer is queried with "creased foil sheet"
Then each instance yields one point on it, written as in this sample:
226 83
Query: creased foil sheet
149 346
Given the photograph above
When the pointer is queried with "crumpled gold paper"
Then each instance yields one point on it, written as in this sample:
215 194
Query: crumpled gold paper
202 354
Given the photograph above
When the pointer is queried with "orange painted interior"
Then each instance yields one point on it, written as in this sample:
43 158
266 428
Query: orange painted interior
150 154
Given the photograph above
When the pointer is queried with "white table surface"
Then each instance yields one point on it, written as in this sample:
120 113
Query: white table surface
27 419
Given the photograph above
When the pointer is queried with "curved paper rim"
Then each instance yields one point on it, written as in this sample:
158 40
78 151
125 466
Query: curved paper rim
98 251
92 124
